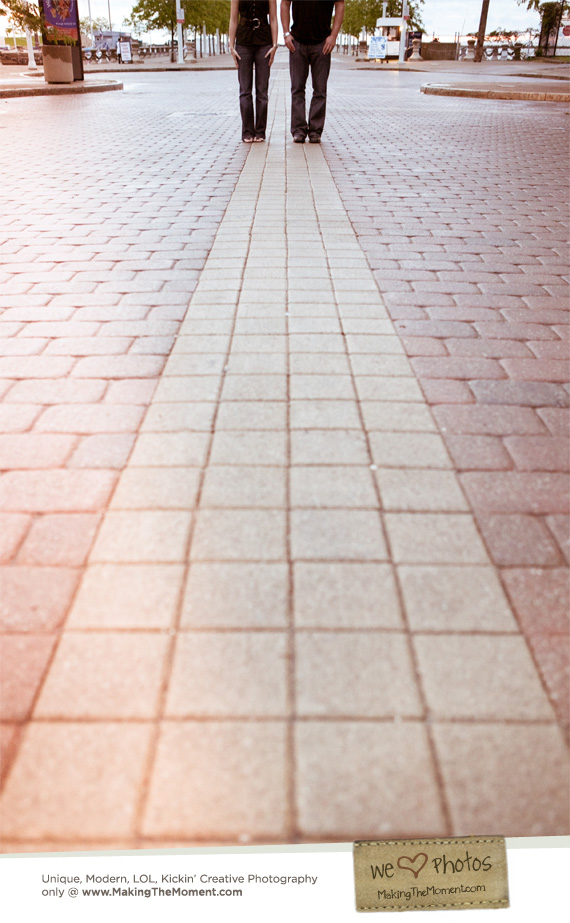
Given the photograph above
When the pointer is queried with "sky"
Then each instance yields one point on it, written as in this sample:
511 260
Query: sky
444 17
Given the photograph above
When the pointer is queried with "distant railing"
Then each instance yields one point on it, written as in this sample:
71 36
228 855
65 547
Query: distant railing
150 51
104 56
502 52
99 56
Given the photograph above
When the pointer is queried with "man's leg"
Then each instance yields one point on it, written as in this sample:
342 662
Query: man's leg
245 77
299 71
320 69
261 89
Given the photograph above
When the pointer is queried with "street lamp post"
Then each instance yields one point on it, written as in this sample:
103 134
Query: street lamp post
180 31
32 66
404 26
90 22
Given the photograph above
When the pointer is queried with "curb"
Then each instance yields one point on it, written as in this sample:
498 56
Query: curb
390 67
435 89
182 68
60 89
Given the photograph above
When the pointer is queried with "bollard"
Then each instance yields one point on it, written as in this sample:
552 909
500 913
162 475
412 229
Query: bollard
415 55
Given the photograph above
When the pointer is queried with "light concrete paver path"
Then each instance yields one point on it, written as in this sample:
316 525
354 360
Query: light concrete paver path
289 627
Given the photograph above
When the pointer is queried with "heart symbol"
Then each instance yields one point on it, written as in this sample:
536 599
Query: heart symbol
422 856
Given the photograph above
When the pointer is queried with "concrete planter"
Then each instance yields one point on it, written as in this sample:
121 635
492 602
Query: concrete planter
58 63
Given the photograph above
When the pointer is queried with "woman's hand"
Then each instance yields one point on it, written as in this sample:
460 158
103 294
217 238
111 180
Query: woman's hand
235 56
271 54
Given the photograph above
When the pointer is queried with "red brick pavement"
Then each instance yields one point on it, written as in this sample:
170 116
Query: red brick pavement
458 207
107 222
461 208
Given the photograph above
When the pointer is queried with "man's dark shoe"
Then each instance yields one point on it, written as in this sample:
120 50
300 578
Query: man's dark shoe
299 137
315 139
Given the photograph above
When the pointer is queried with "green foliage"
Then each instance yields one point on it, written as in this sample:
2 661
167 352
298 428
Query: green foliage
23 15
505 34
97 24
551 14
152 14
551 17
214 14
161 14
538 5
362 14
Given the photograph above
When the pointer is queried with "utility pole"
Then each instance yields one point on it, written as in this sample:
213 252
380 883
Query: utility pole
482 30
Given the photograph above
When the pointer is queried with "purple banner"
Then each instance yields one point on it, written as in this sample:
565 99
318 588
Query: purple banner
62 21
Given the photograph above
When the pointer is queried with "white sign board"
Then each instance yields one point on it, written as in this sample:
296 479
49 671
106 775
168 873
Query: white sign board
564 36
125 50
377 47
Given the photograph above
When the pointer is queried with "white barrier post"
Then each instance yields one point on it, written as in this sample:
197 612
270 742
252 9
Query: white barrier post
179 29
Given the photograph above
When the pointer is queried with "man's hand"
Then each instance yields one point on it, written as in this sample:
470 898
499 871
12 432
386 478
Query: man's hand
337 23
330 42
289 42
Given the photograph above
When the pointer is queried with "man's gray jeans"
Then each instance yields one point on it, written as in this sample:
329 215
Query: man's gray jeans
303 59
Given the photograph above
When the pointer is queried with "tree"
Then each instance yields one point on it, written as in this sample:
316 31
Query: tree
89 26
538 4
23 15
161 14
550 18
505 35
354 17
552 25
98 24
481 33
147 15
362 14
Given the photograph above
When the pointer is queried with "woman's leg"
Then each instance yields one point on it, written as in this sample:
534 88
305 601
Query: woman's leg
245 77
261 89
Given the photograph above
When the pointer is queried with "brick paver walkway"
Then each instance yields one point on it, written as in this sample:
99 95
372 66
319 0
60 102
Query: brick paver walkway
467 236
319 508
